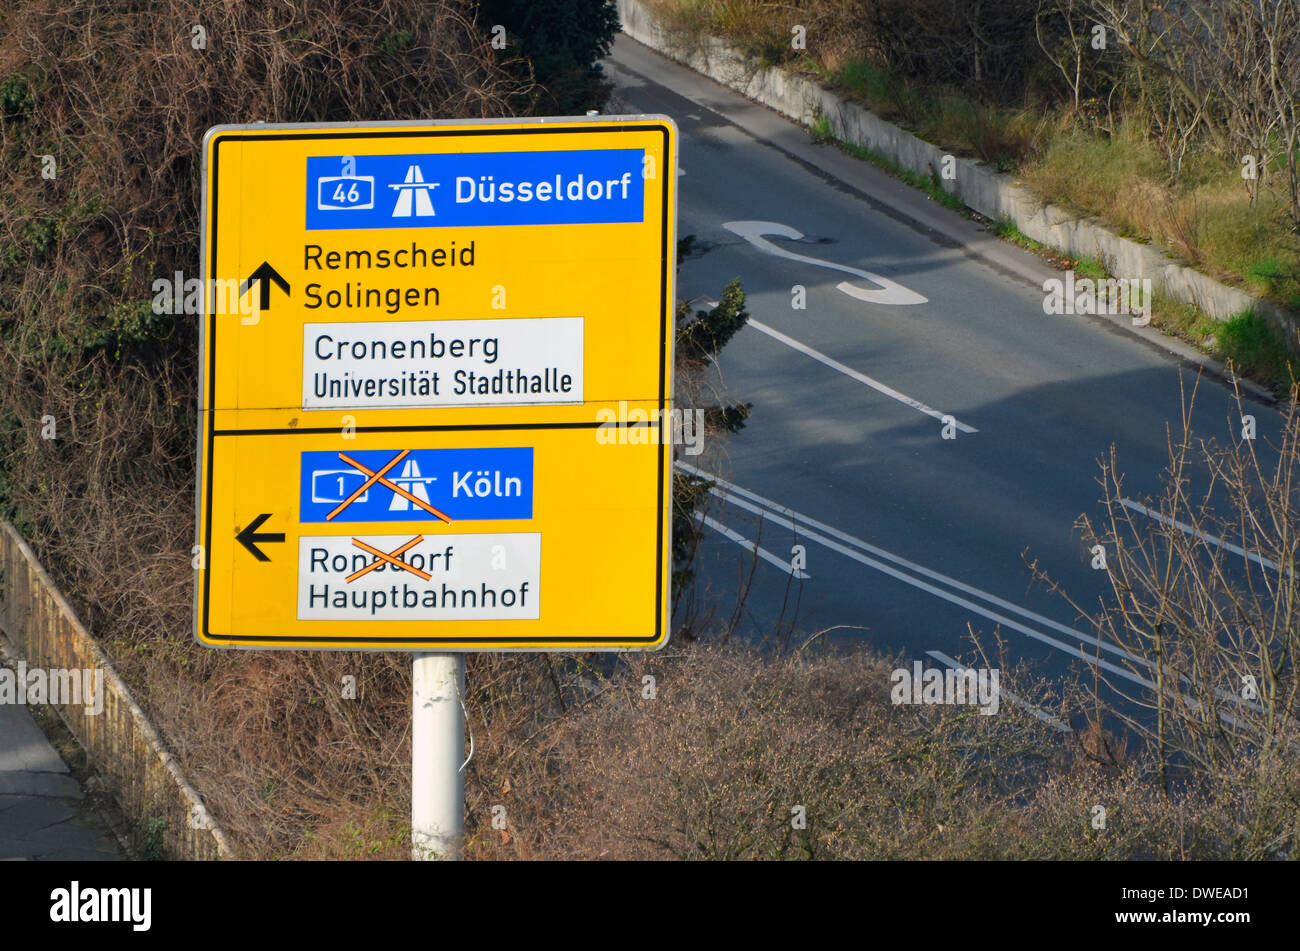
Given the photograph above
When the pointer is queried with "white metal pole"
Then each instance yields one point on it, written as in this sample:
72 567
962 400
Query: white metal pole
437 750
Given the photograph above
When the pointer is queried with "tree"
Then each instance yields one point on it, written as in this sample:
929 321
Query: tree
1229 66
562 42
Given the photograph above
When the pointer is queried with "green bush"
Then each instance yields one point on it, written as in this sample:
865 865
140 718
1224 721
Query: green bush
561 42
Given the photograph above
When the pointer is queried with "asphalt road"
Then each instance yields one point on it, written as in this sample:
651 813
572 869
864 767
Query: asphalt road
915 536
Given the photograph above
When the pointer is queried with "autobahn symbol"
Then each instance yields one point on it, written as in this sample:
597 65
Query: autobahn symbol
417 187
379 477
413 482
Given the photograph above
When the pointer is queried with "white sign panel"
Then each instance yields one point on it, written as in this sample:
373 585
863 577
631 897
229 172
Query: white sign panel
415 363
417 578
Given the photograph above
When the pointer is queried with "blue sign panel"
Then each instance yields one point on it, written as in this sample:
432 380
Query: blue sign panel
462 484
595 186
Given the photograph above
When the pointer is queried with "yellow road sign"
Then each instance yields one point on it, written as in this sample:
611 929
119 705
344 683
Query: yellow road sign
436 385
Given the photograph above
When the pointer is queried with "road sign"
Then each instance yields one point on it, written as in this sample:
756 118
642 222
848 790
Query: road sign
417 338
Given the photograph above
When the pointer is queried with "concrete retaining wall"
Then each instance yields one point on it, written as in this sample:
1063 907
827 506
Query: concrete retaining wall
988 192
121 745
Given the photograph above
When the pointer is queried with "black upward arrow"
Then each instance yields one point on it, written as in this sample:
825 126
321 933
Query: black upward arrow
250 536
264 275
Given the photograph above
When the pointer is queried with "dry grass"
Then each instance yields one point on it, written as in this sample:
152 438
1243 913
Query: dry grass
587 767
1206 219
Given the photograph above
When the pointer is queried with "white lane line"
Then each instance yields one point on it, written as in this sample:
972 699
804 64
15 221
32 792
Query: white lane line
1054 722
749 546
742 495
771 512
1186 529
1189 530
854 374
937 592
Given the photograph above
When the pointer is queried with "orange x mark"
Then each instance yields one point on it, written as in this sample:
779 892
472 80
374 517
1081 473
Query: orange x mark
390 557
379 477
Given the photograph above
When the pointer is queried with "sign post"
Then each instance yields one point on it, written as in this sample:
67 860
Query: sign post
437 752
436 400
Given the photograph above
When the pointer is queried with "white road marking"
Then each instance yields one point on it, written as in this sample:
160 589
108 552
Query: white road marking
1054 722
888 292
1189 530
788 518
803 525
876 385
749 546
1186 529
761 506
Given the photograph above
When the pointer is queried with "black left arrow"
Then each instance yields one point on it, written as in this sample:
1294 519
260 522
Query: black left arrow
250 536
264 275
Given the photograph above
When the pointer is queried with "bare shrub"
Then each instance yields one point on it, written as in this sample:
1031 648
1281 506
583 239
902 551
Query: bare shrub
715 765
120 97
106 501
1203 608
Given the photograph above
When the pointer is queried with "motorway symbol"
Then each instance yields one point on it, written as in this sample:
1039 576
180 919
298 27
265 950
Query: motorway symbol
413 482
413 185
263 276
250 536
888 292
389 557
373 477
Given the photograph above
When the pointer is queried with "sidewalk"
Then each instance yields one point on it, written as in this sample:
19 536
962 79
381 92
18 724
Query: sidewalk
42 808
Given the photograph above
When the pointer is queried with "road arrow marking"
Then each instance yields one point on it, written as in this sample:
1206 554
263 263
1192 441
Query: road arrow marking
250 536
889 292
263 277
